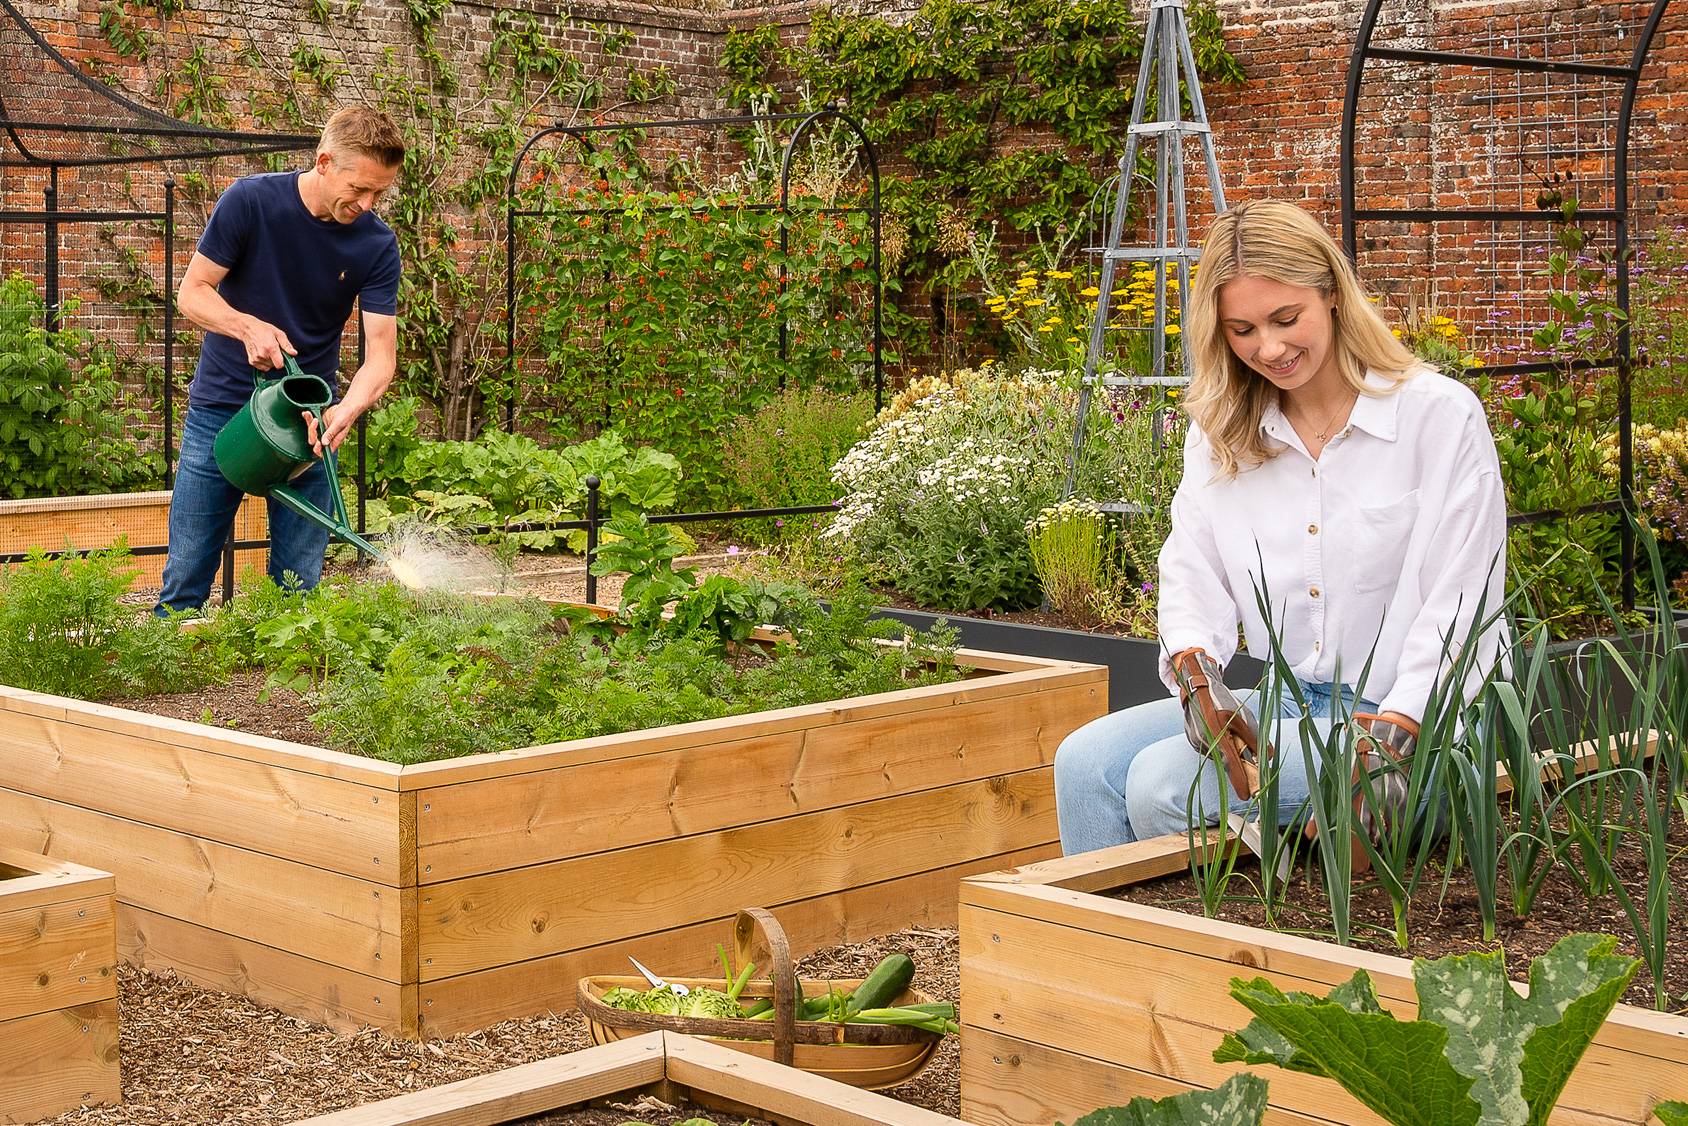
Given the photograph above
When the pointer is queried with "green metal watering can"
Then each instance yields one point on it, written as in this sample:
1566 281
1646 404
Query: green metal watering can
265 445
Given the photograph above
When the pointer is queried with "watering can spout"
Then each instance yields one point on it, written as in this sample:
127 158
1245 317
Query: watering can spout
265 445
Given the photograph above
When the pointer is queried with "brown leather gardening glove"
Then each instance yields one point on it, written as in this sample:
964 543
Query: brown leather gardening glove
1214 716
1382 750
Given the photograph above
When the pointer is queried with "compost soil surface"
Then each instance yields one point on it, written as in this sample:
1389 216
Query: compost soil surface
1451 923
195 1057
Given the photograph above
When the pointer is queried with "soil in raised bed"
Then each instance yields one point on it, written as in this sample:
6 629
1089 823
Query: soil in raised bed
1449 922
197 1057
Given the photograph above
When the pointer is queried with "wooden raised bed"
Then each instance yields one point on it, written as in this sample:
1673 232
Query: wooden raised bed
1071 1000
54 523
673 1067
58 987
445 897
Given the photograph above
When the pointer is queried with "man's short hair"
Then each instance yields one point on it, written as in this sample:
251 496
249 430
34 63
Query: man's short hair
361 131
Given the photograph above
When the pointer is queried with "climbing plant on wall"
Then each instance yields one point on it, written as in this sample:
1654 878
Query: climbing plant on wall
1005 112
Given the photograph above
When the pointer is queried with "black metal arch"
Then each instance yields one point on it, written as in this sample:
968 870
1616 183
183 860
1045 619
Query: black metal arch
1622 359
582 134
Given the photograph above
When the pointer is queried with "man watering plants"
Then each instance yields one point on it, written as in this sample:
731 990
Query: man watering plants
1357 494
282 262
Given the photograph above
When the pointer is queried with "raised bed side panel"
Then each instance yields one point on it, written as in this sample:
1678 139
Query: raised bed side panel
247 864
143 519
475 1000
58 987
859 821
54 1062
678 1068
1072 1000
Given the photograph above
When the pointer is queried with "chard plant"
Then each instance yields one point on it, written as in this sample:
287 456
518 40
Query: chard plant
1480 1054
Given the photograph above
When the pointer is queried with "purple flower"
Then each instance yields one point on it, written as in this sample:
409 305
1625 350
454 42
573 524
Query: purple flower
1148 587
732 549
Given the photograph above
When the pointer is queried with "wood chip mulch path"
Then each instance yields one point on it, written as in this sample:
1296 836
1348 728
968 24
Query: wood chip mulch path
192 1056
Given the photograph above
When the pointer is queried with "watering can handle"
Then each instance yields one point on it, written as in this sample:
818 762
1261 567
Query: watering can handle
289 366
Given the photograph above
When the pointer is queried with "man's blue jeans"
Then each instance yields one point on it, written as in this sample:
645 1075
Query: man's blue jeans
202 511
1129 775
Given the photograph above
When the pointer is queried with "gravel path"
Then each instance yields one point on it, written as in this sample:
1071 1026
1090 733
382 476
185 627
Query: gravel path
192 1056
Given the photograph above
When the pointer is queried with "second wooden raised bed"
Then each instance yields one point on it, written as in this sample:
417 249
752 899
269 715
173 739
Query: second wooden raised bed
439 898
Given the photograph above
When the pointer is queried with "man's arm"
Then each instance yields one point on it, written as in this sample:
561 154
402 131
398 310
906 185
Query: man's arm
200 303
380 364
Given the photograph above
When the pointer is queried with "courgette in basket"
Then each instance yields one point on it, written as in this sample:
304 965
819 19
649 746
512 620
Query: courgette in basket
884 985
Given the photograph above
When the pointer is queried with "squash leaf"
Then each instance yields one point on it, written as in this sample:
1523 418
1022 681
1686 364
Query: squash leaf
1480 1053
1239 1101
1673 1113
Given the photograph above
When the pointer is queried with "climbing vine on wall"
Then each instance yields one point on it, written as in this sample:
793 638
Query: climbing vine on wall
1009 112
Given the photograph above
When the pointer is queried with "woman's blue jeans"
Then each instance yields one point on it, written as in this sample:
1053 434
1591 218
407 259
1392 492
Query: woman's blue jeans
202 511
1129 775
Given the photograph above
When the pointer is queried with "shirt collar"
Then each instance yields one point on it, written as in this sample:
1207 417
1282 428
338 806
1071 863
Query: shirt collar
1377 414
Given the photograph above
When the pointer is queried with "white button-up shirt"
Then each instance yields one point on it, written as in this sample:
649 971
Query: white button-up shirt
1382 548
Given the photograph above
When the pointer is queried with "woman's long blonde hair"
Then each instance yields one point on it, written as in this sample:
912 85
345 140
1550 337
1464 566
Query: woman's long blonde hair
1281 242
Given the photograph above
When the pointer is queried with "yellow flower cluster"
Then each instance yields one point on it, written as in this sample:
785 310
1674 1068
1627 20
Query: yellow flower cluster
1036 305
1139 300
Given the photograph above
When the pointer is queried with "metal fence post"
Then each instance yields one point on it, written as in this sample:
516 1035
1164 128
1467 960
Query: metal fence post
592 484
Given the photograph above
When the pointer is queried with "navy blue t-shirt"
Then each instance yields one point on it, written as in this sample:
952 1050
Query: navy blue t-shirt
300 273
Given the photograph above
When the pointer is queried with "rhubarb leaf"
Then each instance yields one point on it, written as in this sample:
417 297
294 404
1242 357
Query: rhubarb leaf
1397 1068
1239 1101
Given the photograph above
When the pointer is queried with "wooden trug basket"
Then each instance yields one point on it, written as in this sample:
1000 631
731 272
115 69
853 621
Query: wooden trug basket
871 1056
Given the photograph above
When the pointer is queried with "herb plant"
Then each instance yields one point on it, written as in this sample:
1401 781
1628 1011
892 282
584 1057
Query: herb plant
64 631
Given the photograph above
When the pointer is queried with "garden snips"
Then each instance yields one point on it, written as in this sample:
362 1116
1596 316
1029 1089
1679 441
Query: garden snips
1214 719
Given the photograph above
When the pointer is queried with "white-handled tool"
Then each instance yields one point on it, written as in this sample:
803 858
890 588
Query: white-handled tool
656 982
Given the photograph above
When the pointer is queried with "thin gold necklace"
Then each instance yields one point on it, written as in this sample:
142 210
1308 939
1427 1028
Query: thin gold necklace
1324 430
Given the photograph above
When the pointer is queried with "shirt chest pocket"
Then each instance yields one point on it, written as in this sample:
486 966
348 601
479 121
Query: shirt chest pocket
1378 535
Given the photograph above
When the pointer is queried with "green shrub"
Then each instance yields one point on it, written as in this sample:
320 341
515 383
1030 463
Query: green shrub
63 429
64 631
782 456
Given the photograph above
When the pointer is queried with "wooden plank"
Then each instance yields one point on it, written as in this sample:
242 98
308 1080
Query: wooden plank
1166 1009
311 990
476 1000
484 921
784 1092
503 823
332 823
52 1062
56 956
143 519
517 1092
1105 868
750 726
43 880
1327 964
1008 1082
1094 995
320 914
107 719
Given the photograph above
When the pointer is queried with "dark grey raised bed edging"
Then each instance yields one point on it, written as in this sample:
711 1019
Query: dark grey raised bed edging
1133 662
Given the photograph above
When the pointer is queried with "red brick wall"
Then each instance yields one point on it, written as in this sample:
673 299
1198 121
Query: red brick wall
1448 136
